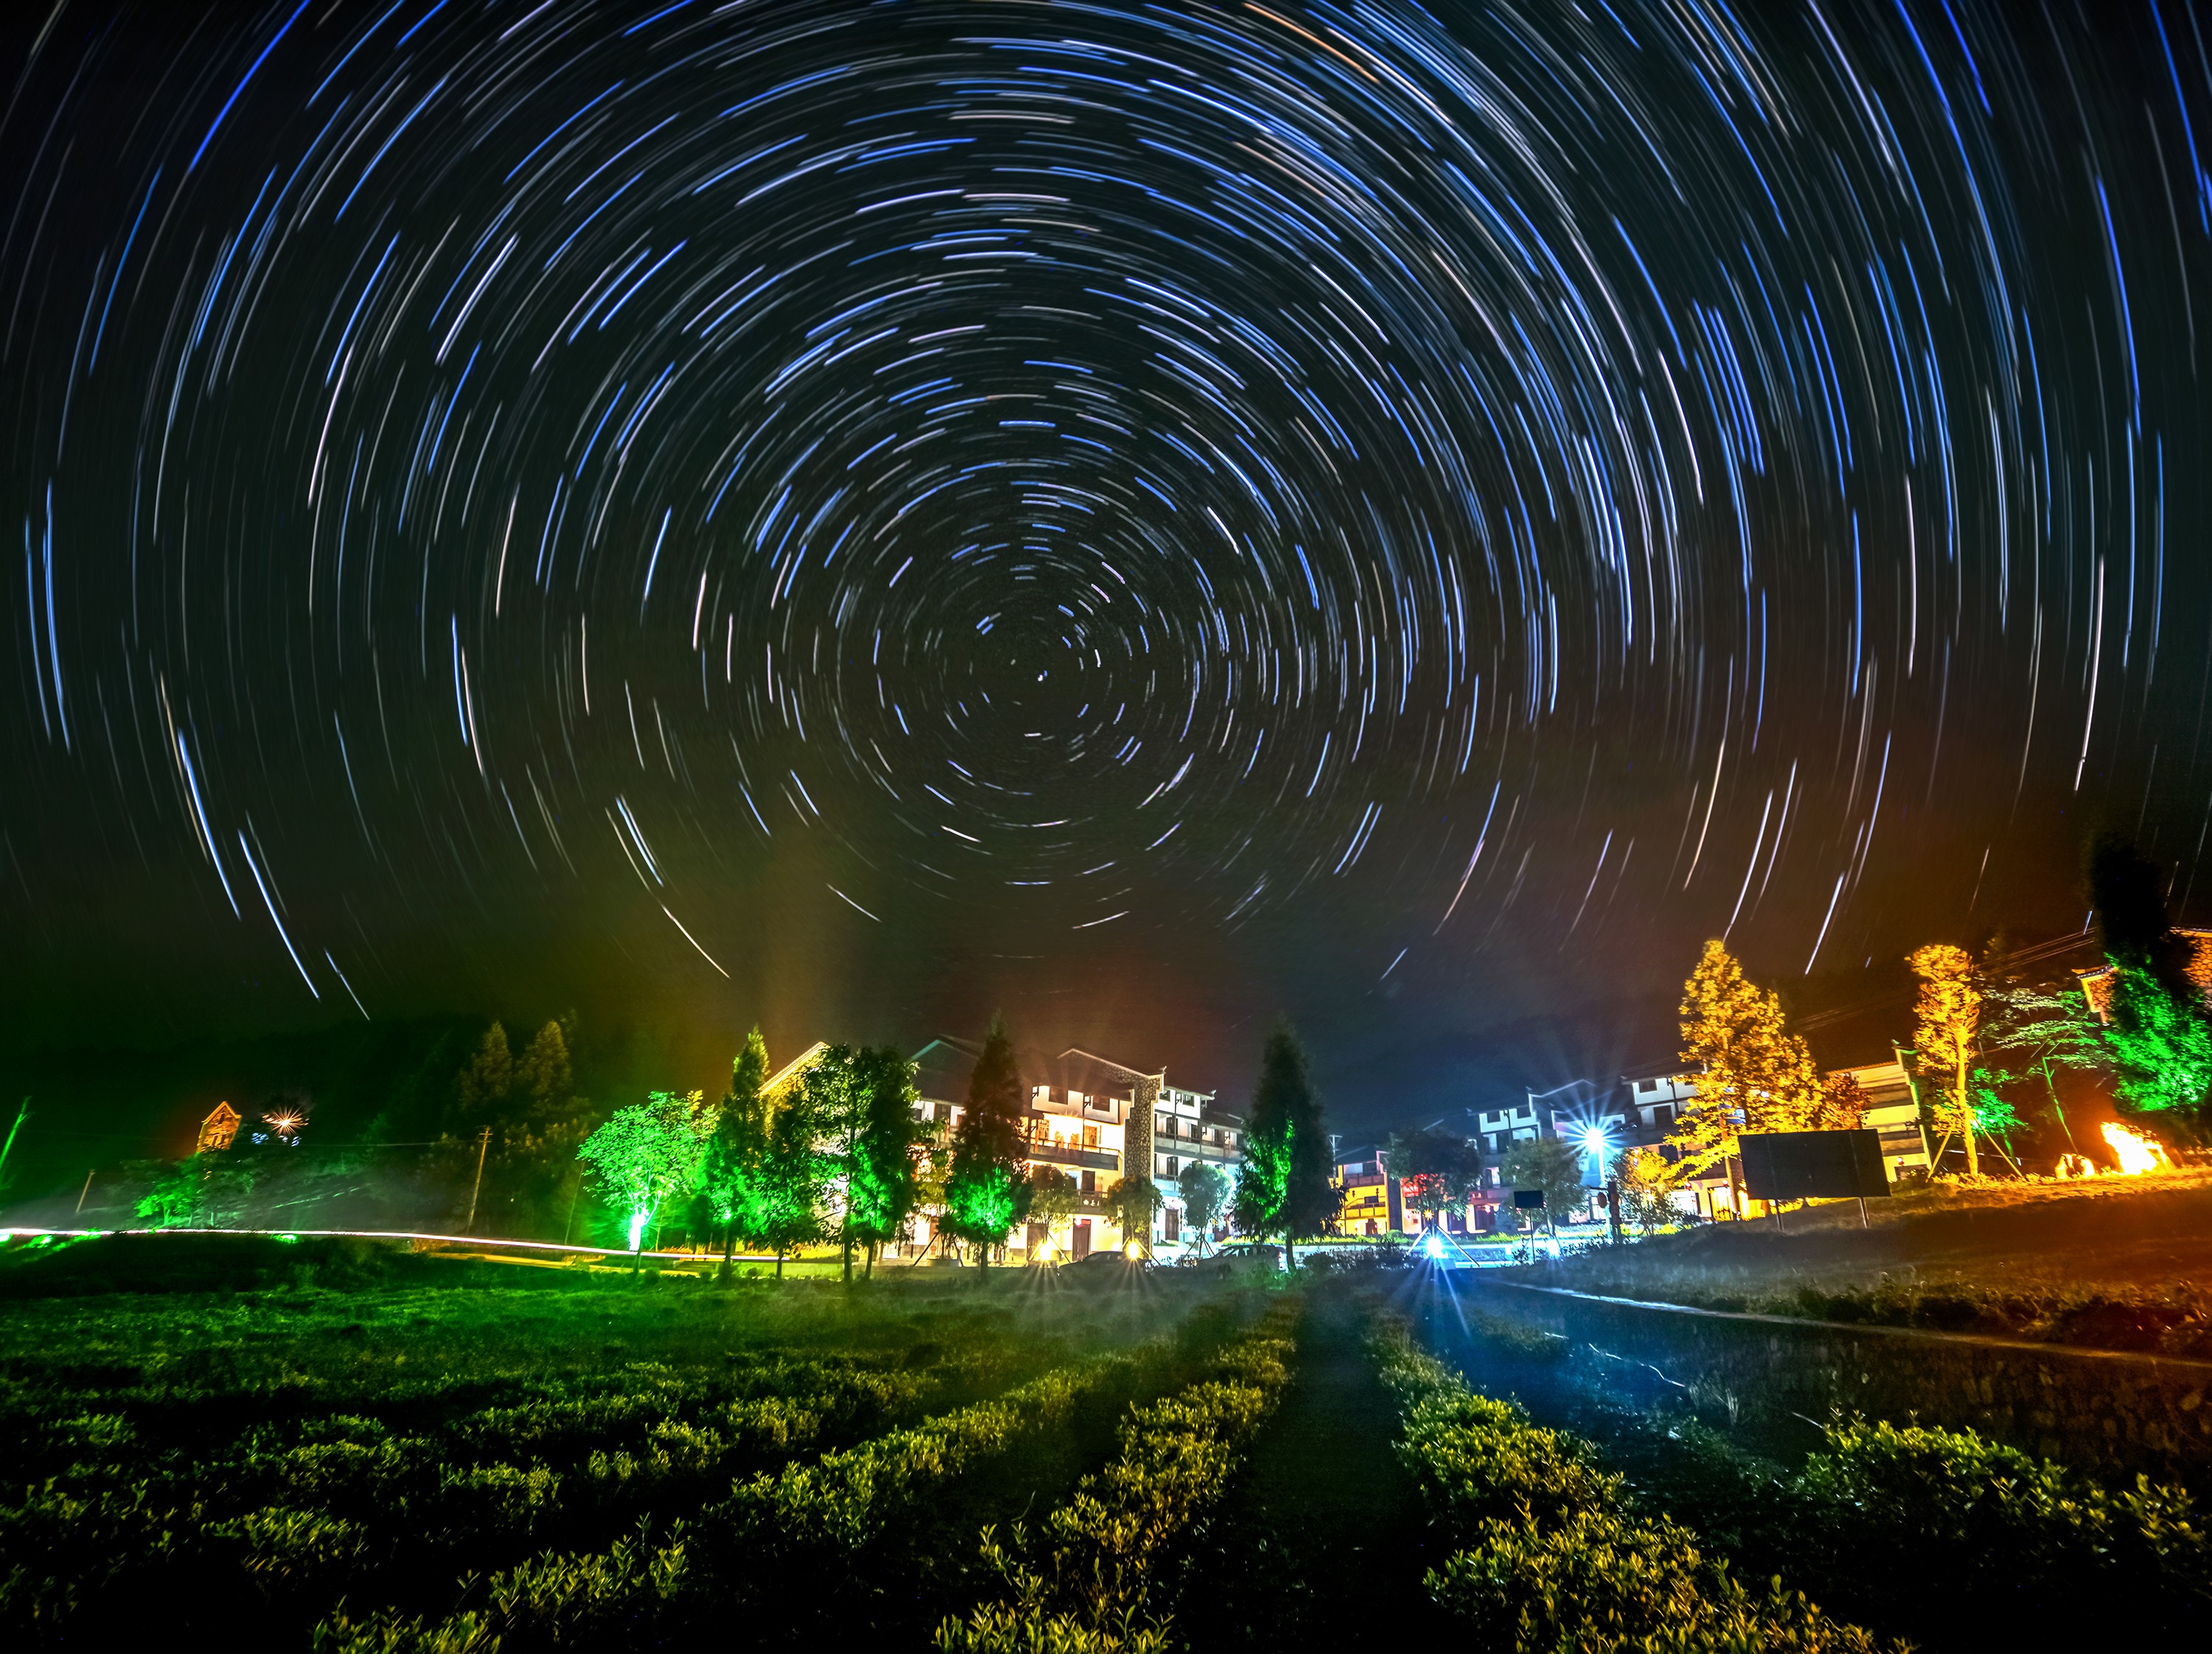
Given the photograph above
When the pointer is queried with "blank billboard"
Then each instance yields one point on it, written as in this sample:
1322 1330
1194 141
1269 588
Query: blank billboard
1801 1165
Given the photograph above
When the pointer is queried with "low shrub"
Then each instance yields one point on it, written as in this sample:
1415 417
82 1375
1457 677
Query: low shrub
1084 1585
1553 1555
1946 1530
805 1532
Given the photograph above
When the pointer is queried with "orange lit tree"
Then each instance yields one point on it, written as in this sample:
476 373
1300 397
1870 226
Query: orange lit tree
1950 1013
1749 1071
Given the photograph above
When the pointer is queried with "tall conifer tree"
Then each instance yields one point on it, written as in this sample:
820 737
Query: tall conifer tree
986 1195
735 1177
1283 1186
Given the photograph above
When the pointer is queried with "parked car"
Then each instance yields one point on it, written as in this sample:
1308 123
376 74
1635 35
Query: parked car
1239 1255
1106 1264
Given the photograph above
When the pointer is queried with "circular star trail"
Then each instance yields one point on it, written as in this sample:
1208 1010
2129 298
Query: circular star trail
1541 479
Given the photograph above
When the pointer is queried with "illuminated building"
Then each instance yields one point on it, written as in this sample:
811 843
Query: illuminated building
217 1130
1092 1119
1372 1203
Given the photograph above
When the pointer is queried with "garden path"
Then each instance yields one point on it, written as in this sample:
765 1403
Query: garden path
1321 1538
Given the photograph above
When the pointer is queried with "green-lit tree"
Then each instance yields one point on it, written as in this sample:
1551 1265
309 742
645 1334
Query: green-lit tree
2161 1048
1547 1164
1435 1169
791 1210
648 1155
881 1166
733 1178
1205 1192
2154 1010
1129 1204
985 1193
1283 1186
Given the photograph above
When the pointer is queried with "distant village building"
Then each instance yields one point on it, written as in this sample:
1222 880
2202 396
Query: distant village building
1373 1206
217 1130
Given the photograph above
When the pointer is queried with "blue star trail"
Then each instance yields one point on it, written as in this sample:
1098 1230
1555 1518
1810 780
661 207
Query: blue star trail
640 485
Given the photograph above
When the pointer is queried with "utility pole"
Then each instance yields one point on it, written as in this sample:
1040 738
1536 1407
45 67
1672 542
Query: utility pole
22 1113
483 1146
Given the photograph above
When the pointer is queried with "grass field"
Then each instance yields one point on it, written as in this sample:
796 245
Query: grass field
350 1447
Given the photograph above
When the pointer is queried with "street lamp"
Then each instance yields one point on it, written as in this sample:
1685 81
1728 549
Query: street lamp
1595 1143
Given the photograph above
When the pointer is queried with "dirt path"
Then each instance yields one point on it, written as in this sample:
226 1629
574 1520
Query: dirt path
1322 1538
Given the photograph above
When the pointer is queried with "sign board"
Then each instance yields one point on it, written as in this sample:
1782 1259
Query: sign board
1799 1165
1528 1200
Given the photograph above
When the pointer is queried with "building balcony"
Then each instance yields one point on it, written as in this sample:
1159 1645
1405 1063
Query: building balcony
1069 1154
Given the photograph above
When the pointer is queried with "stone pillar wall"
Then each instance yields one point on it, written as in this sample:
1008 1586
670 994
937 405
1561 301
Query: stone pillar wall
2107 1410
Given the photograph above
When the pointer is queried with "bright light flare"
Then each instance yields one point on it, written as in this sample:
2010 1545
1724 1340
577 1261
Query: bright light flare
1133 1252
2138 1154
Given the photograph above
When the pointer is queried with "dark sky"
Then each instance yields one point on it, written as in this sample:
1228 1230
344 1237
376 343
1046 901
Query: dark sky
852 515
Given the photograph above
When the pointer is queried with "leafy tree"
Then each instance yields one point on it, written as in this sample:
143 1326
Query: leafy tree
883 1170
2155 1011
1129 1204
1435 1169
830 1090
733 1176
1204 1191
1993 1117
1283 1186
649 1154
1547 1164
795 1180
2050 1027
1841 1106
1950 1013
176 1198
2161 1048
1646 1182
1749 1071
985 1193
1052 1195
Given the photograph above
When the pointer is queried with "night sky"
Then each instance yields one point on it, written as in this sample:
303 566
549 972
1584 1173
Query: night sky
853 516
